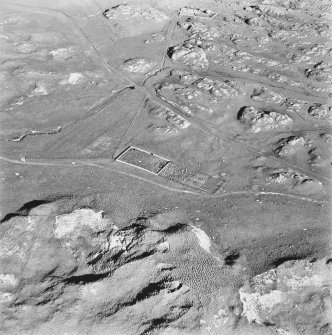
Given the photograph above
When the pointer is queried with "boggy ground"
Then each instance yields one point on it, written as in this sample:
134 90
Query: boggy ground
229 233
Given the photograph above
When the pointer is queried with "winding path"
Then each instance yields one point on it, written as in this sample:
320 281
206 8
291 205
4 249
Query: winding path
114 167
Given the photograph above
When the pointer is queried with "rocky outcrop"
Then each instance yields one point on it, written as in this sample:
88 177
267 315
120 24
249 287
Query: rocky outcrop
74 271
80 266
291 299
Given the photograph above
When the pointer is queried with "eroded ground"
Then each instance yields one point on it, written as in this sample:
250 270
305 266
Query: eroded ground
165 167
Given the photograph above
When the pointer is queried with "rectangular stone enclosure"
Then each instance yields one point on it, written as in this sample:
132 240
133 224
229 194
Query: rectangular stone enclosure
143 159
169 170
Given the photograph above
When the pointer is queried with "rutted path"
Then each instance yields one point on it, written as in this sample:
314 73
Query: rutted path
32 133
